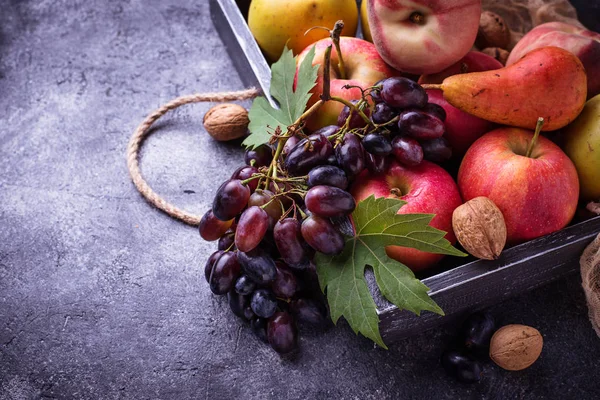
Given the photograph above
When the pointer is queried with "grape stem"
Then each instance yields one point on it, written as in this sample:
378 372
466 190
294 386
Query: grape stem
538 129
352 107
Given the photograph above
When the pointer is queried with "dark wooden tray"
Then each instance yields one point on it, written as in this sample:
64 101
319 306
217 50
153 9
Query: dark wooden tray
458 289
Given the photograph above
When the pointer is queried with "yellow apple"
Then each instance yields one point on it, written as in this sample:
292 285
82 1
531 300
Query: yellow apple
275 23
364 20
582 145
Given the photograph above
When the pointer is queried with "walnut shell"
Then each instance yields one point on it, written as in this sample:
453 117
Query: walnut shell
226 121
498 53
493 31
480 228
516 347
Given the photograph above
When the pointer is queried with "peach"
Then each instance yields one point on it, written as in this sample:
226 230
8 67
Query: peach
423 36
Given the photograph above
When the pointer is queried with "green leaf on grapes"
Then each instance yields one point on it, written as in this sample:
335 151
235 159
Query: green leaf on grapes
342 277
264 119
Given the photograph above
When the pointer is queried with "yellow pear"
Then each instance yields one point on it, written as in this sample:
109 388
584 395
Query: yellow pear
582 145
275 23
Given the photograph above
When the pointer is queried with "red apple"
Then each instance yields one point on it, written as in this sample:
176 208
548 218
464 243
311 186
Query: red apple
363 66
584 43
537 195
423 36
427 188
474 61
462 129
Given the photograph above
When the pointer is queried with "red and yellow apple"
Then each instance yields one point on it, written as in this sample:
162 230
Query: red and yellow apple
537 195
585 44
427 188
423 36
582 145
275 23
363 67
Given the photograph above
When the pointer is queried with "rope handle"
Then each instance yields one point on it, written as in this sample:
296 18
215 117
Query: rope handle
141 133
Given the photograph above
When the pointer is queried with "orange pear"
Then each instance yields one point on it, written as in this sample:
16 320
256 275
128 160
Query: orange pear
548 82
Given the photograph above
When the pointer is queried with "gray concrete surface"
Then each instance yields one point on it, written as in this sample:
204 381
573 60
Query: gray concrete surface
102 297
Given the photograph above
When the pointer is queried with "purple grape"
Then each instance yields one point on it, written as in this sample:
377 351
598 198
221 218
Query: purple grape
227 240
244 285
477 331
350 155
376 143
231 198
290 143
210 264
327 130
322 236
436 110
401 92
461 366
305 156
245 172
261 155
356 121
240 305
376 164
285 284
224 273
211 228
261 197
437 150
251 228
259 328
329 201
344 225
309 311
263 303
383 113
376 92
327 175
282 332
407 151
420 125
258 265
291 245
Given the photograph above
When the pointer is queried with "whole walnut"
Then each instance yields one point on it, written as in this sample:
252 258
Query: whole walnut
493 31
516 347
226 121
480 228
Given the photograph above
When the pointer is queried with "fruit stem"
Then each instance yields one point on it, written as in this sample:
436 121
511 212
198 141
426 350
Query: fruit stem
432 86
538 129
352 107
326 95
335 37
253 177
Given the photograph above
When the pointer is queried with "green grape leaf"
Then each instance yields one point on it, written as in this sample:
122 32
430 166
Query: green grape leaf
342 277
264 119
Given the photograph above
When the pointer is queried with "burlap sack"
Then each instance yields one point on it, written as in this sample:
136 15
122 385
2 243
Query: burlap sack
590 277
522 15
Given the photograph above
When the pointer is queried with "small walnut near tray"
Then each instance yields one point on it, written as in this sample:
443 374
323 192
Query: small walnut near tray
460 288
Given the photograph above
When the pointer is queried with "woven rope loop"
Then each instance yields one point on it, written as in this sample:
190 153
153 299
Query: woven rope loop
141 133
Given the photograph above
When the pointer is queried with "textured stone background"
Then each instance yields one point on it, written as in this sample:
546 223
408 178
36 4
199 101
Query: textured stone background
102 297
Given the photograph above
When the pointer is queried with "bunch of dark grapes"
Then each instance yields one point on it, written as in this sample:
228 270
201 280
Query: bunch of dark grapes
406 125
462 360
291 200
